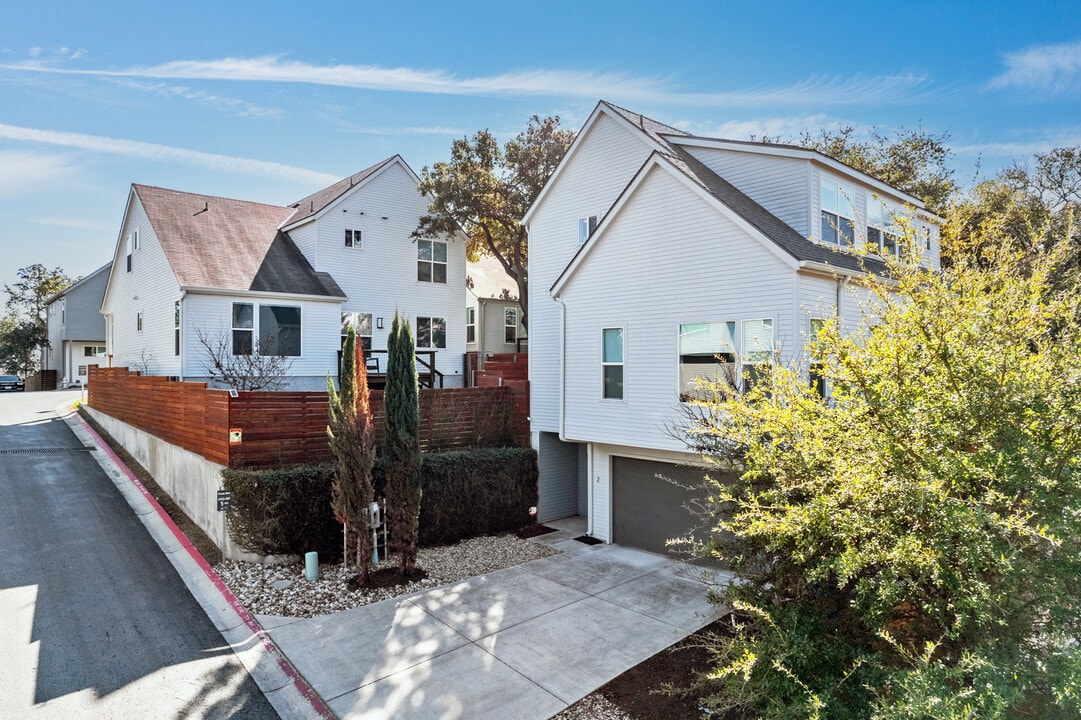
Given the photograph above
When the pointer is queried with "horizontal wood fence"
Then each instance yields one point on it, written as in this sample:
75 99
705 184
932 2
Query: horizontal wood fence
286 428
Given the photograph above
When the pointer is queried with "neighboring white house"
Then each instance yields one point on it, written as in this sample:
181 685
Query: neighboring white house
493 315
656 257
283 280
76 329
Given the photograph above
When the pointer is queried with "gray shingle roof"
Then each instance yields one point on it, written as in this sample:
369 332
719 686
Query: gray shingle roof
225 244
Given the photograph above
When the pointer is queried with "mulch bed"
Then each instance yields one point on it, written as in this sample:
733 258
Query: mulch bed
533 531
387 577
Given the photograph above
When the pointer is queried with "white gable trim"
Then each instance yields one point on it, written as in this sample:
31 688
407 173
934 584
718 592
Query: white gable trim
133 199
660 162
601 109
337 299
800 154
396 160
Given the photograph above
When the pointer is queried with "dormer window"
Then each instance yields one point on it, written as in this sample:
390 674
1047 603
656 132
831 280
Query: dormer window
838 214
586 226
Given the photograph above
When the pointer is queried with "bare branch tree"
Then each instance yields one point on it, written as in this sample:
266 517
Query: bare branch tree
250 371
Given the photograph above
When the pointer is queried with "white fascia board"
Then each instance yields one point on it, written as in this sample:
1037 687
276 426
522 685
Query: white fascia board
264 294
804 154
397 159
132 198
659 161
601 109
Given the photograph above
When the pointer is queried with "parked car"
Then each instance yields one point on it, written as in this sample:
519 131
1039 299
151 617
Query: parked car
11 383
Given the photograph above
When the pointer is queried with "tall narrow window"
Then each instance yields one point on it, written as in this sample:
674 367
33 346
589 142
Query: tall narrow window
243 328
352 238
127 252
707 354
431 332
431 261
471 325
757 350
176 328
814 375
612 363
586 226
510 325
838 215
139 321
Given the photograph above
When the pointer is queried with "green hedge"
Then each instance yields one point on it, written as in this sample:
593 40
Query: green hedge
467 493
285 511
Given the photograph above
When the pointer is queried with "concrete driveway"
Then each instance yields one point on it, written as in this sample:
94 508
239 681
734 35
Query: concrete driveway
524 642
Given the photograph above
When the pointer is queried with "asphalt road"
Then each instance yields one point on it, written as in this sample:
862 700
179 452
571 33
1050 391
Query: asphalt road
94 620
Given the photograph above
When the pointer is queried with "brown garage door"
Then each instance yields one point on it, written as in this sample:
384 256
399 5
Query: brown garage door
647 510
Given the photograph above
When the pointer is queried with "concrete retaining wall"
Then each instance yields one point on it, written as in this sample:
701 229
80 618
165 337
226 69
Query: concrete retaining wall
190 480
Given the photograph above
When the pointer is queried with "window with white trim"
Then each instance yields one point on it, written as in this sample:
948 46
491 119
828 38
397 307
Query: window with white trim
510 325
586 226
279 330
838 214
94 351
707 354
176 328
352 238
814 373
470 324
612 363
431 261
883 232
243 325
362 326
127 251
757 346
431 332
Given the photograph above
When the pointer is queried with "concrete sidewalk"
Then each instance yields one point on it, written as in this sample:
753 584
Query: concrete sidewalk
524 642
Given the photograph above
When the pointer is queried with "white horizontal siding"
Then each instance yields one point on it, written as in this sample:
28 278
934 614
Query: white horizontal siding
605 161
212 314
380 277
778 184
668 258
150 288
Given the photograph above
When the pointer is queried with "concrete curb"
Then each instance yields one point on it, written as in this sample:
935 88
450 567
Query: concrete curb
285 688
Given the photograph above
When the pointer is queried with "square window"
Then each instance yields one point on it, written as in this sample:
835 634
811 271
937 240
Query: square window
431 332
707 354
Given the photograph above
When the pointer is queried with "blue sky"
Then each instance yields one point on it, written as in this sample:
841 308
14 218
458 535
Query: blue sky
270 101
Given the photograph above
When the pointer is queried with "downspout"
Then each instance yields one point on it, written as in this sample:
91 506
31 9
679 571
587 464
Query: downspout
563 413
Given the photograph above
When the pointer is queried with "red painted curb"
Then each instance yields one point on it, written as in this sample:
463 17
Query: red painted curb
249 620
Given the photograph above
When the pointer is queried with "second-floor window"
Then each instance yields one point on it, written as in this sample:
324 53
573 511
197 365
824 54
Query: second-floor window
352 238
586 226
757 349
707 354
612 363
882 230
838 215
431 261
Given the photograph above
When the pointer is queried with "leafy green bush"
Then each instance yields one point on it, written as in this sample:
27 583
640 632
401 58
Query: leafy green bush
283 511
476 492
467 493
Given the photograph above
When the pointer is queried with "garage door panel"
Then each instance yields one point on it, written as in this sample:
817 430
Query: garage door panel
650 502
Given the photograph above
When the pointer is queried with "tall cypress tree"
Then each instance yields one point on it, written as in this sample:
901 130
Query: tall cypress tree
351 432
402 445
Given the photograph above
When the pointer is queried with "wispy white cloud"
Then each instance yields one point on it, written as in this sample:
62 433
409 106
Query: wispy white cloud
1051 68
239 107
23 172
778 129
166 154
72 223
820 90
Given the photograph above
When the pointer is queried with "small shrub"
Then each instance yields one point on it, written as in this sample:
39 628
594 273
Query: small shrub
283 511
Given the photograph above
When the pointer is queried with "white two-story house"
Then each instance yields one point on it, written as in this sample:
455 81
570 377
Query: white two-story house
656 257
76 329
285 281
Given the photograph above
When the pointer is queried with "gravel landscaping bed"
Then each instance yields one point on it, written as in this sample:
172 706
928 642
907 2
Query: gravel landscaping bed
283 589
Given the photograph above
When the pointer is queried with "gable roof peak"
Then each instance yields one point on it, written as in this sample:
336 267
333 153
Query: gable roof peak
318 201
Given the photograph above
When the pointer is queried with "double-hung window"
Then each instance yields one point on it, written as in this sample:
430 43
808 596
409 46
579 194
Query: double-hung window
612 363
707 354
757 349
882 231
431 261
431 332
362 326
471 325
510 326
838 215
243 326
